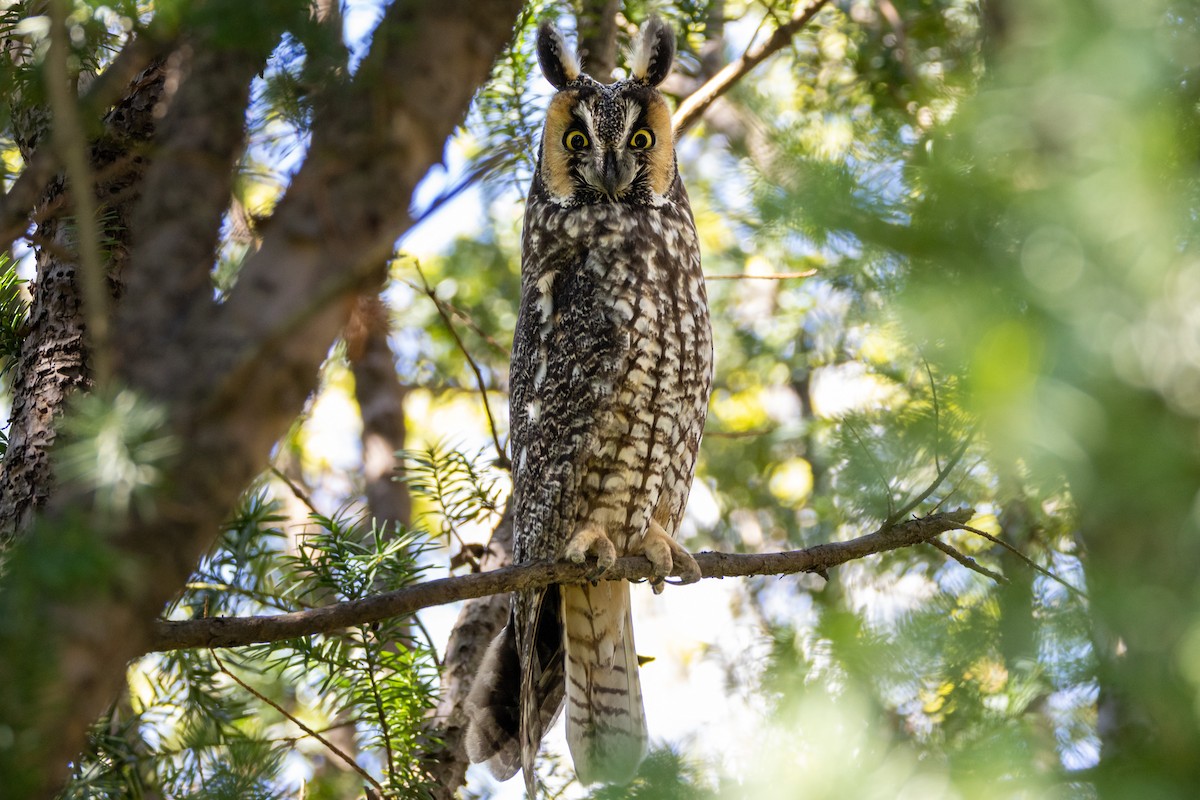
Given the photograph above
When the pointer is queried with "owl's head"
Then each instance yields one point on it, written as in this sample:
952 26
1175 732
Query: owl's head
608 143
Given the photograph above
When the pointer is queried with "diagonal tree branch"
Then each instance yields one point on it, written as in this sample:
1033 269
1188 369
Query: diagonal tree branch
969 562
380 396
695 104
596 21
330 746
501 458
235 632
184 197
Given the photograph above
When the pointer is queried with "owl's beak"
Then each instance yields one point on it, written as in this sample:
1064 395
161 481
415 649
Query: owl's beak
614 179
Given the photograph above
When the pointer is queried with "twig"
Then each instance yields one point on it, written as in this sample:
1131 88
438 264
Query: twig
1033 564
433 653
460 315
968 562
501 459
239 631
350 762
748 434
72 149
297 490
774 276
941 476
384 728
695 104
480 170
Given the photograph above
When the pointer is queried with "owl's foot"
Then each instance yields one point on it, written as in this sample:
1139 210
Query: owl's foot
666 555
590 540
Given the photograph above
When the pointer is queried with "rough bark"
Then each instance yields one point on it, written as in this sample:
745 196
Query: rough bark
234 376
691 109
53 361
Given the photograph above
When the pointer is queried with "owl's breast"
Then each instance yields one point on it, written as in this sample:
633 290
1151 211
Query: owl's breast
616 356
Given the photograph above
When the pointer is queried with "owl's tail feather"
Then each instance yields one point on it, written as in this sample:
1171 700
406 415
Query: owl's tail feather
606 725
494 730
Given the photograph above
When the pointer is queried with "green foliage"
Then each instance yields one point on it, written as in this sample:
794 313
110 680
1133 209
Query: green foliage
378 670
13 312
666 774
196 732
113 448
504 114
460 488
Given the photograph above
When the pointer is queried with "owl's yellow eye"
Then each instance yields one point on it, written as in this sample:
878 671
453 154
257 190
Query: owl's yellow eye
642 139
575 140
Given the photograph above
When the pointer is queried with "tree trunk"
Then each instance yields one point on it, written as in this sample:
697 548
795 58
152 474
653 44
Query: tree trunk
53 362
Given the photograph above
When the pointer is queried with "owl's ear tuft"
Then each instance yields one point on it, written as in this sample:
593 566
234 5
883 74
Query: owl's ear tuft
653 52
559 64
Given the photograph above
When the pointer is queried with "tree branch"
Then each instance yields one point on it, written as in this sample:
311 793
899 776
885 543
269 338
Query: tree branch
501 458
380 397
17 203
184 197
695 104
597 27
968 562
1028 561
239 631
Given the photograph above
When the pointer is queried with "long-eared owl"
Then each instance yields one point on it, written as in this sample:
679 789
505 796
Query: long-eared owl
610 379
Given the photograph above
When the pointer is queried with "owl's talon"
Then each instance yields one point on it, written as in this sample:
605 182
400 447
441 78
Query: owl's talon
667 556
592 541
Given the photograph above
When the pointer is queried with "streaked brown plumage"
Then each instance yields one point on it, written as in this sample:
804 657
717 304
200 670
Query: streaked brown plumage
611 372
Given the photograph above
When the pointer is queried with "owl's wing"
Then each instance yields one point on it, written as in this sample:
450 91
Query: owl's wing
568 352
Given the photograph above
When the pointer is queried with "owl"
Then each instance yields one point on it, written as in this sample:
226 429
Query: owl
611 372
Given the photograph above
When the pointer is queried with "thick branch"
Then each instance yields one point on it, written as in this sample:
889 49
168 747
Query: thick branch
184 198
380 398
697 103
53 362
71 143
236 632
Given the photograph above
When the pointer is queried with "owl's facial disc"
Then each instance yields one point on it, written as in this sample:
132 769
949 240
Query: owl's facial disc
607 144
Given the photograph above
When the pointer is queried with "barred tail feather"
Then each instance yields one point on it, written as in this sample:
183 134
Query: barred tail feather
606 725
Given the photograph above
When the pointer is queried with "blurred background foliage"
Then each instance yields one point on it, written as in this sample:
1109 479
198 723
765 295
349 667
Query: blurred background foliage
953 258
